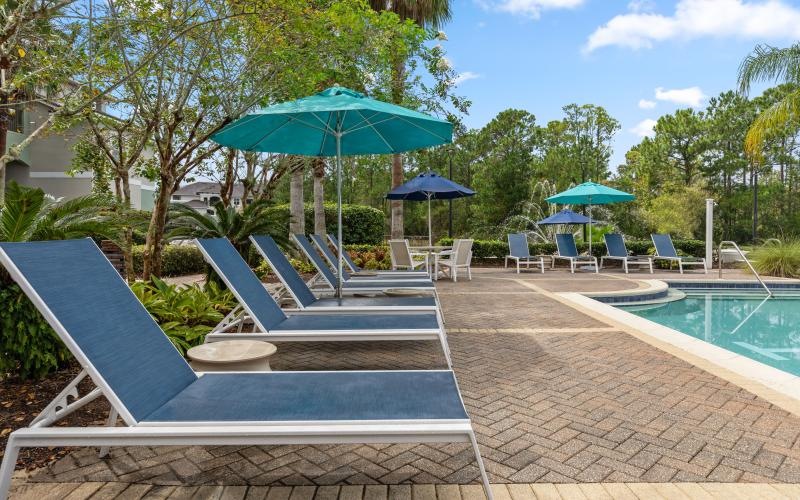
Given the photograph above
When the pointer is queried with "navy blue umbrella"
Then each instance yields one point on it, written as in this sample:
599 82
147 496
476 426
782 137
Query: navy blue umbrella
565 217
429 186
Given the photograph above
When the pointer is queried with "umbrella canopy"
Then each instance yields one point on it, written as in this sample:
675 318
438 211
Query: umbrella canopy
564 217
309 126
335 122
429 186
590 193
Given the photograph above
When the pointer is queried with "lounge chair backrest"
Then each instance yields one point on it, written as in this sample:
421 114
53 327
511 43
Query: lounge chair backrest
565 243
242 281
462 252
400 253
347 259
664 246
315 258
518 245
278 262
615 245
98 317
329 254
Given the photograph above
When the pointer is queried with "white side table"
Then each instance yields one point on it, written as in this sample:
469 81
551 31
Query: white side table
232 356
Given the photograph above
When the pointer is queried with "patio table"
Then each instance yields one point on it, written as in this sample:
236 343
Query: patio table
432 255
232 355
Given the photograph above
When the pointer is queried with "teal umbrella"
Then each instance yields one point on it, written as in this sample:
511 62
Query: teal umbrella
335 122
590 193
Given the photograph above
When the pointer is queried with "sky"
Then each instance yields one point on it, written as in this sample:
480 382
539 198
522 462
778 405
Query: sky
639 59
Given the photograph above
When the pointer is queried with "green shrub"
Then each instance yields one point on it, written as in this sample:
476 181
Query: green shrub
360 224
177 260
372 257
776 258
185 313
29 348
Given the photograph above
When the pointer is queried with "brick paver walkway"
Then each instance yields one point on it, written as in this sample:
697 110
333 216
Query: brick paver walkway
555 397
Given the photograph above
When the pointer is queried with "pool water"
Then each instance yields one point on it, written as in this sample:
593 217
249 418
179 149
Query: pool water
747 323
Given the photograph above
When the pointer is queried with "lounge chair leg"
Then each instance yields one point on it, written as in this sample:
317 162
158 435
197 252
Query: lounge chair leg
506 263
517 266
446 348
487 488
469 273
596 267
110 422
680 266
9 462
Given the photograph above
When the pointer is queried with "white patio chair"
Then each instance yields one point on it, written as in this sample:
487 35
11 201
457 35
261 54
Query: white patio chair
404 258
459 258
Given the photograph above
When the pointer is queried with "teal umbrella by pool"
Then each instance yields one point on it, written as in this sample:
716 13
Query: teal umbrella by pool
590 193
335 122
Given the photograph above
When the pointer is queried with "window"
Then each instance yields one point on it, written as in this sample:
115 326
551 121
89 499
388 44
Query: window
17 120
176 197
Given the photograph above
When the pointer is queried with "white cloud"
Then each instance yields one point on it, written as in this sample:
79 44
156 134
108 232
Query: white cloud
528 8
690 96
770 19
644 128
641 5
464 76
647 104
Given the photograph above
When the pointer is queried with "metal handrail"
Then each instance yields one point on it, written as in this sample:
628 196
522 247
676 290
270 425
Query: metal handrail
746 260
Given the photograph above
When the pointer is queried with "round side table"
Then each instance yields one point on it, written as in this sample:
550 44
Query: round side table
231 356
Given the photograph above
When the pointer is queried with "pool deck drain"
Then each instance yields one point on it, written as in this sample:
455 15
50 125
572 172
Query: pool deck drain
562 403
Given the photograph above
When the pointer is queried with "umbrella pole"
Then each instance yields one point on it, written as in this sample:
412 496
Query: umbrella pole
590 229
339 208
430 232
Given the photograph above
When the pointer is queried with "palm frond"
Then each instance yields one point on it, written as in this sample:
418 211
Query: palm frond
20 212
767 63
771 120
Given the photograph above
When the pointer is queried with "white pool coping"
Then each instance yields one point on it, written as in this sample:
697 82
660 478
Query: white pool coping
777 386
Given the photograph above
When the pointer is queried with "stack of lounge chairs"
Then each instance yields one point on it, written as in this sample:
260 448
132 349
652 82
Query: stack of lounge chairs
162 401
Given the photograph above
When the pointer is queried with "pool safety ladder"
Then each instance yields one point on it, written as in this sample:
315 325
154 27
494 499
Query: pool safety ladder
744 258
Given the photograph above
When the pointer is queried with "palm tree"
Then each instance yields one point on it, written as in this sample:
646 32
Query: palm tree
767 63
30 215
226 222
428 14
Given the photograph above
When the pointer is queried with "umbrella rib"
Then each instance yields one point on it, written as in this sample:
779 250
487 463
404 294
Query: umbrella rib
422 128
376 130
289 119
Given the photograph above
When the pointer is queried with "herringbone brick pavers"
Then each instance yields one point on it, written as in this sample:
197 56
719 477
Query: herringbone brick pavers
560 405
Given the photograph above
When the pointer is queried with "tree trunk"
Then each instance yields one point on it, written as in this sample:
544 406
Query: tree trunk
154 243
226 190
296 208
398 87
3 141
124 178
397 205
319 196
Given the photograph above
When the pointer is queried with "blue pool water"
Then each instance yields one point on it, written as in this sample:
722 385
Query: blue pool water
766 330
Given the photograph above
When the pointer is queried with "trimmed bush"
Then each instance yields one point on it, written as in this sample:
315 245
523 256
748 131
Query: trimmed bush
360 224
29 348
496 249
177 260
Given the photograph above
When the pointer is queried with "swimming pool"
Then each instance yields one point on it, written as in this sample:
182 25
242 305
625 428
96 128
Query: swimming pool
745 322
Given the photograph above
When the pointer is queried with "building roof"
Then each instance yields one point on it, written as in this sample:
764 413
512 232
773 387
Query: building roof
197 188
196 204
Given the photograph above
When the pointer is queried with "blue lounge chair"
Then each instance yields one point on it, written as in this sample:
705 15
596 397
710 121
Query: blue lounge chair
163 402
273 325
519 251
382 273
565 243
307 301
665 250
321 244
325 273
616 250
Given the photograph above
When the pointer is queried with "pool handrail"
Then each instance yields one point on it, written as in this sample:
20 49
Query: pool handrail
744 258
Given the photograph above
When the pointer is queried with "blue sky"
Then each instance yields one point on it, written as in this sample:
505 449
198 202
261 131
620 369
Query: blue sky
639 59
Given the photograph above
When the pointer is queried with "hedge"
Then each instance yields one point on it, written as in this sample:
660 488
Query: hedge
488 249
360 224
176 260
29 348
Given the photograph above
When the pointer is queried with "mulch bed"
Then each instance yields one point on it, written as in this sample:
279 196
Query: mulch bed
22 400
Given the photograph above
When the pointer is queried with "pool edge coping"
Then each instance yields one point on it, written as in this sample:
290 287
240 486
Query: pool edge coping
778 387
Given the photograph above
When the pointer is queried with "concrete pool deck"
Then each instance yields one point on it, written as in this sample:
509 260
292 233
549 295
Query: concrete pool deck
564 403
